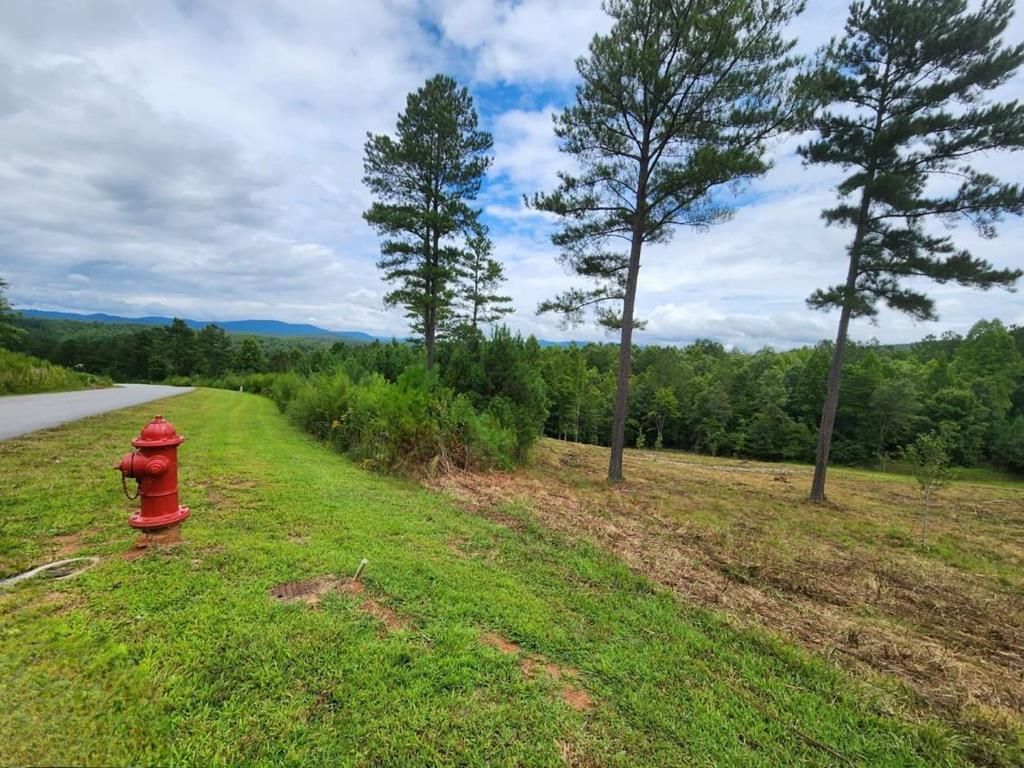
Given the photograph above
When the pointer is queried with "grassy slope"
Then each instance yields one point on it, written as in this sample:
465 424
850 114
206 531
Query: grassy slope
22 374
180 656
850 581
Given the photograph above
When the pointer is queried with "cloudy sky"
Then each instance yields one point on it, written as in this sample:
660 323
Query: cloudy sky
204 159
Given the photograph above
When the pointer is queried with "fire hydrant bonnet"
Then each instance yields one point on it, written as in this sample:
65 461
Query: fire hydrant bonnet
157 434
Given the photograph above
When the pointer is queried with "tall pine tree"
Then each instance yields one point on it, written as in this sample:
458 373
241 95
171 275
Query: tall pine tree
904 111
424 180
677 102
482 276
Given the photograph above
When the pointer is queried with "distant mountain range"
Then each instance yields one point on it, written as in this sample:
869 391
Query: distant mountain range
256 327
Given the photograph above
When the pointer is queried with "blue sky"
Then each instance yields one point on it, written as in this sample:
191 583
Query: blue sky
204 159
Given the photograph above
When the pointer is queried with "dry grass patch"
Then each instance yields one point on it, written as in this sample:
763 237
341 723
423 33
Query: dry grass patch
850 580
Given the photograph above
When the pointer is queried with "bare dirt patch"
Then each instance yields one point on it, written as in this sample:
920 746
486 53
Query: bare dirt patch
577 698
312 592
848 580
504 645
533 665
69 544
159 538
351 587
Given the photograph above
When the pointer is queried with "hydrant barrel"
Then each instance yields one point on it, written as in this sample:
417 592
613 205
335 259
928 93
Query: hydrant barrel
154 466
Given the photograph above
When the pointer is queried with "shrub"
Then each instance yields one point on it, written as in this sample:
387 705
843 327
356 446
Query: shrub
410 426
502 377
1009 451
316 404
22 374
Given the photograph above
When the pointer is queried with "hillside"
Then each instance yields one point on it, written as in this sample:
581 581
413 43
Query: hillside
470 641
23 374
859 582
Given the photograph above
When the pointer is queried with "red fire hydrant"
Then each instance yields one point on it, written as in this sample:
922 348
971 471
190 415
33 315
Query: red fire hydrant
155 468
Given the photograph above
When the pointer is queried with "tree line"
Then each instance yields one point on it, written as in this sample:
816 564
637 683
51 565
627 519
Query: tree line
702 397
675 110
160 353
765 405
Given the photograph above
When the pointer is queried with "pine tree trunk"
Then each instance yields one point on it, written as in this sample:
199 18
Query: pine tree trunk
628 302
625 352
835 372
430 333
828 414
430 326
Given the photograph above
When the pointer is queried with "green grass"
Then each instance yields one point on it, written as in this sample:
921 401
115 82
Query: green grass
179 657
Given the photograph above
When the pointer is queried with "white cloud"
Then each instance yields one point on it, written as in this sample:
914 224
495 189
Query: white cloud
527 41
205 159
526 149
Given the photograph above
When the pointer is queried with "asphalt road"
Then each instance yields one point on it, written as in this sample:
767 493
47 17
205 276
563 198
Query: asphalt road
20 414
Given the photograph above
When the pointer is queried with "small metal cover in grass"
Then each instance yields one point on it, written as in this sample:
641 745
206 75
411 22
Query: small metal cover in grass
298 590
312 591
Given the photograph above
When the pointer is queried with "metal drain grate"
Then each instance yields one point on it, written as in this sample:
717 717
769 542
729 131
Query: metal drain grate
299 590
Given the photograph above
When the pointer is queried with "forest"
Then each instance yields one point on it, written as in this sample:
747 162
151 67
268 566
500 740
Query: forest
701 397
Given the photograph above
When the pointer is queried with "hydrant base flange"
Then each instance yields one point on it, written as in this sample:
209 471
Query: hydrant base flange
150 523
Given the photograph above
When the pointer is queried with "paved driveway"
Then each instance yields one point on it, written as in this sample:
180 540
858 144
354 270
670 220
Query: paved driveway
26 413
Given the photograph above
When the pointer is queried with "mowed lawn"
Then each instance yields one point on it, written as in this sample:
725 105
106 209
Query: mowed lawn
474 643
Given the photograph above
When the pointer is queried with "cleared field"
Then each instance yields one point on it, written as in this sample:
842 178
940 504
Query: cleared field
471 642
854 581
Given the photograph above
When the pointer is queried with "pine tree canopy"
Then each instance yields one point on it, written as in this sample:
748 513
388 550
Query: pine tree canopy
904 111
481 277
676 102
424 180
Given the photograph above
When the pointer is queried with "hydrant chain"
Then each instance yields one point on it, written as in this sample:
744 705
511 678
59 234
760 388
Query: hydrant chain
124 486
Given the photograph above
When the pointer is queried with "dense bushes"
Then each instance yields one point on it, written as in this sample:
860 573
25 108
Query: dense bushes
411 426
22 374
485 410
